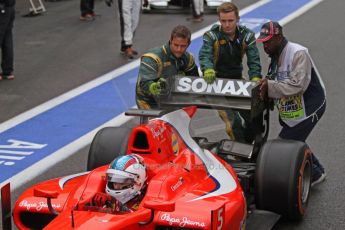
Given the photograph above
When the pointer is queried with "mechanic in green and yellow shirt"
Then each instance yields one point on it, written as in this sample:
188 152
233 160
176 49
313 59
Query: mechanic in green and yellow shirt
161 63
221 54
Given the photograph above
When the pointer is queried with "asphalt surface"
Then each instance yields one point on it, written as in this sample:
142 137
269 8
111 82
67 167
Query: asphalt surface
55 53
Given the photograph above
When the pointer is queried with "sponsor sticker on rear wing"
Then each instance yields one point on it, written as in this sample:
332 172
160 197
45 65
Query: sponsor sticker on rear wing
185 91
220 87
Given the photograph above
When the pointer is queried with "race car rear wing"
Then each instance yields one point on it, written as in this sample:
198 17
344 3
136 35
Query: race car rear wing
144 114
184 91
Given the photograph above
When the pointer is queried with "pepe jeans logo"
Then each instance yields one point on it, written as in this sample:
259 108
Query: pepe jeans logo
36 206
181 222
219 87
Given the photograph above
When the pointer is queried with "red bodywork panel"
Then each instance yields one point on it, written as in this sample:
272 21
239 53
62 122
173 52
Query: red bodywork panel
188 179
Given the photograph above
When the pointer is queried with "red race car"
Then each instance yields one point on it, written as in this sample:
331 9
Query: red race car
193 183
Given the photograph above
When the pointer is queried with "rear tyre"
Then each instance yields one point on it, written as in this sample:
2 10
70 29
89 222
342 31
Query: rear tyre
108 143
283 178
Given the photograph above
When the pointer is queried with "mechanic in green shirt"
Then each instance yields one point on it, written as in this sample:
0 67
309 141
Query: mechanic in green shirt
161 63
221 56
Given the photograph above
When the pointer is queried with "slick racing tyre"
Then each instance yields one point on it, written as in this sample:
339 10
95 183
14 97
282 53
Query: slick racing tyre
283 178
108 143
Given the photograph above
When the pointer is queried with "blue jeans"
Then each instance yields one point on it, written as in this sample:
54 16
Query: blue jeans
301 132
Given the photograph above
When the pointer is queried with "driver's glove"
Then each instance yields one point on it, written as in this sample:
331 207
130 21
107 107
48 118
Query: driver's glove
100 199
209 76
109 2
156 87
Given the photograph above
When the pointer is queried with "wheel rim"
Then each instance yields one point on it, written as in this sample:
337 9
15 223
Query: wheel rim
306 181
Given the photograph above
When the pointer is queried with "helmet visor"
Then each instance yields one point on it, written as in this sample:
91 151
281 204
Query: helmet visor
119 178
120 186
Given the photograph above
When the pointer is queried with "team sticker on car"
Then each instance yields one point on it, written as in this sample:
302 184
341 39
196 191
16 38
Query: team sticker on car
38 206
181 221
174 143
220 86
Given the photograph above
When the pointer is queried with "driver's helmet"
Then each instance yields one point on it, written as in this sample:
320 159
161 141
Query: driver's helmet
126 177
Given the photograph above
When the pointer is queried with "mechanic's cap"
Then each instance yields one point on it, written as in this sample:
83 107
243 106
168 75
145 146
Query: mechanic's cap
268 30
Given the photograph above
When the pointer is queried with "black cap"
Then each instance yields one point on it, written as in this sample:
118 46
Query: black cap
268 30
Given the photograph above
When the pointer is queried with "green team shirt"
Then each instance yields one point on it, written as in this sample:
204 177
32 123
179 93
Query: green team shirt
218 52
160 62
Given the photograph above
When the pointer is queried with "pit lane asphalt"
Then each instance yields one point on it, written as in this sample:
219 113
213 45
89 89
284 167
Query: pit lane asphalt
55 53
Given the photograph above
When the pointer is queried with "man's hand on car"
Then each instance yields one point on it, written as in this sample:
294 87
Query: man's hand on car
209 76
256 78
156 87
263 88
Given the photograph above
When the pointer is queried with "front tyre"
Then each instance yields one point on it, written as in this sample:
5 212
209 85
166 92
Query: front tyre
283 178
